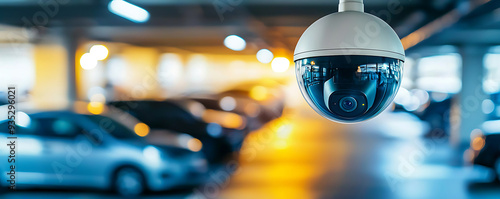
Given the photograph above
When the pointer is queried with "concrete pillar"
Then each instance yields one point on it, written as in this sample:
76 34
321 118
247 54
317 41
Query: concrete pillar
471 96
71 46
71 39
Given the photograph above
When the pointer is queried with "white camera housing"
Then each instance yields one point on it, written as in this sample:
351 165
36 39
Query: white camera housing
349 44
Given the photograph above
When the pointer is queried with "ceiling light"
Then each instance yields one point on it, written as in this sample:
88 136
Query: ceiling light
128 11
280 64
100 52
265 56
88 61
235 42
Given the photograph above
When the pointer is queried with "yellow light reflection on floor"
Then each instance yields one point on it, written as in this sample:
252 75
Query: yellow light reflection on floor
284 131
281 144
287 156
141 129
283 134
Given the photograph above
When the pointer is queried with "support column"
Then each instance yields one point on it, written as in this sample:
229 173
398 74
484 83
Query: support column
471 96
71 40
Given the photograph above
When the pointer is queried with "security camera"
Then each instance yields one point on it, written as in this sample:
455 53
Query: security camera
349 64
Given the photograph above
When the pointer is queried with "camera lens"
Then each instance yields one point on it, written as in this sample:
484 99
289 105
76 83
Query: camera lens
348 104
349 88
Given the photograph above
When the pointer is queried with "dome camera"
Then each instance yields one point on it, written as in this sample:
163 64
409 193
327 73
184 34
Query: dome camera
349 64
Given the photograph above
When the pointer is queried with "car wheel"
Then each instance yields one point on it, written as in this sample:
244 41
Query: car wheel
129 182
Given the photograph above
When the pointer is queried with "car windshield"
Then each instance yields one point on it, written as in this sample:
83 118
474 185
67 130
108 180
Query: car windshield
116 129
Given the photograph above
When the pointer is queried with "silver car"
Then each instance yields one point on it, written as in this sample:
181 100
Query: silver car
69 150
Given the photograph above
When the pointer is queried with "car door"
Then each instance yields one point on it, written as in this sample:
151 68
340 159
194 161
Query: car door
92 154
26 153
60 149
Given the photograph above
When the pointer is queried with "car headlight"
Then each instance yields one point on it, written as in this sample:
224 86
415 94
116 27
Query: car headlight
152 155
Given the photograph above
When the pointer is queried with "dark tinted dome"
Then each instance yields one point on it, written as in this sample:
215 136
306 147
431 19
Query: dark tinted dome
349 88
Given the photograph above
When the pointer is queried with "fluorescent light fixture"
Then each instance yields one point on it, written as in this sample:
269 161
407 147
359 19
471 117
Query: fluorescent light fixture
492 126
128 11
88 61
235 42
265 56
491 82
280 64
436 78
100 52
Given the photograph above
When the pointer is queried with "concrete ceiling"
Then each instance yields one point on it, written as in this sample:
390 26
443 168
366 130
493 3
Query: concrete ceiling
196 25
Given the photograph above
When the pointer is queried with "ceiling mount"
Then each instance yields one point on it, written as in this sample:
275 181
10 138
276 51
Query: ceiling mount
351 5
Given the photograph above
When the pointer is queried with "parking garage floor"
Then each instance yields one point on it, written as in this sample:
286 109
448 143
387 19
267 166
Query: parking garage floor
302 155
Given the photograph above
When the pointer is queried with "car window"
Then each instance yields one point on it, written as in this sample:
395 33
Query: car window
113 127
59 127
177 113
158 114
29 129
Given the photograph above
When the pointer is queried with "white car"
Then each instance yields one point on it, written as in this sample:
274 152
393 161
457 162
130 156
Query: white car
68 150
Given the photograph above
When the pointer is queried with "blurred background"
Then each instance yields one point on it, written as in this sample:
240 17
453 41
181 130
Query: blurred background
198 99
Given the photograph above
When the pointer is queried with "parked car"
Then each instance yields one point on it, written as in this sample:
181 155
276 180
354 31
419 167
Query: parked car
184 116
260 102
487 148
270 98
244 107
436 114
62 149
